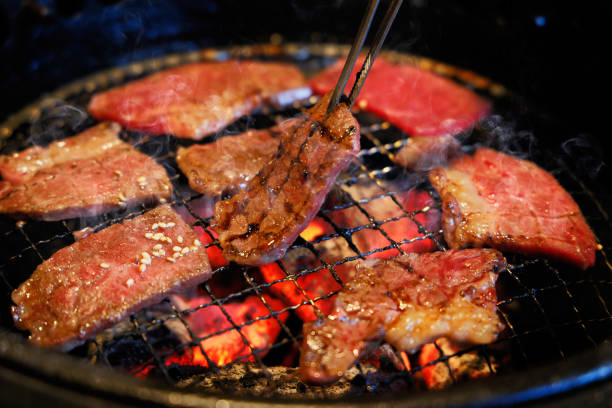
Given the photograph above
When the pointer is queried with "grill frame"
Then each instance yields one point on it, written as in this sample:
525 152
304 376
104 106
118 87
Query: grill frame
32 112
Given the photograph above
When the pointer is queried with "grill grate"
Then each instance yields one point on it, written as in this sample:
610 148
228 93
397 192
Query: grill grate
551 310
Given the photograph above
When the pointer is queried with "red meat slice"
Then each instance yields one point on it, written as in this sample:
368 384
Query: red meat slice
492 199
84 175
228 164
100 279
415 100
408 301
196 100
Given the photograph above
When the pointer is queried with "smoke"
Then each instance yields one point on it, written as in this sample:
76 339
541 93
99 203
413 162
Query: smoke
58 122
501 134
586 154
309 10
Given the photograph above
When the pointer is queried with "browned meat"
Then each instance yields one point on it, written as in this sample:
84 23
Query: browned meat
228 164
423 153
84 175
408 301
491 199
100 279
257 225
196 100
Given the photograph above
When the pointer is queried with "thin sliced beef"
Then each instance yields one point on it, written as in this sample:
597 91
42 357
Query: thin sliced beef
407 301
84 175
492 199
100 279
430 108
228 164
415 100
257 225
196 100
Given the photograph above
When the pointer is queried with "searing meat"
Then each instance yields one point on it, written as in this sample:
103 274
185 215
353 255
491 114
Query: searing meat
196 100
100 279
257 225
408 301
415 100
227 165
491 199
88 174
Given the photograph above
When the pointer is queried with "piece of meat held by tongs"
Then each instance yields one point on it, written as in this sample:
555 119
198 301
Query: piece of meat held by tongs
257 225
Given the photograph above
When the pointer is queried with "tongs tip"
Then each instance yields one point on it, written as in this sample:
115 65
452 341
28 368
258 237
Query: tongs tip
351 59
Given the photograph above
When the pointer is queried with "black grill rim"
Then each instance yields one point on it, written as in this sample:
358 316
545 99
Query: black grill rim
579 370
501 390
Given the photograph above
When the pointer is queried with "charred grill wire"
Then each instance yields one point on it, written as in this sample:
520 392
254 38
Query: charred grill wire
550 310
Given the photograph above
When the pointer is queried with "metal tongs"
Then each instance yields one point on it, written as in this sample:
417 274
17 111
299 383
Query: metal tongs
381 34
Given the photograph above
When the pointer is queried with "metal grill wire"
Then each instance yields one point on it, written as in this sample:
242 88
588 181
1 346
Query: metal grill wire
550 310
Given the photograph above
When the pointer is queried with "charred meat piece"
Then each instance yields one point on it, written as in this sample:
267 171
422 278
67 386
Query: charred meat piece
196 100
226 165
415 100
84 175
257 225
100 279
407 301
492 199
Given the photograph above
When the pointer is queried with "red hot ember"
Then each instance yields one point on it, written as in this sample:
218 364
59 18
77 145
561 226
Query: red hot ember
458 367
313 286
222 343
214 252
393 214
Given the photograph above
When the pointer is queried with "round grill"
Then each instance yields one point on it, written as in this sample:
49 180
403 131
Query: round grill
551 311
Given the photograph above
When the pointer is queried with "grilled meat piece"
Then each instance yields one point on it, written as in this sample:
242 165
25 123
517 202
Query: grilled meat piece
84 175
97 281
226 165
196 100
415 100
408 301
257 225
491 199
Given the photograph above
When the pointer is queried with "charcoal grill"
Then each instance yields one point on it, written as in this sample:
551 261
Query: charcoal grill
558 318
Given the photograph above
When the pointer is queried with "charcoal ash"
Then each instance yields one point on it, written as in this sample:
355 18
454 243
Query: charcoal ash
283 382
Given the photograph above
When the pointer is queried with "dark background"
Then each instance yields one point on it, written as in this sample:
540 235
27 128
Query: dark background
552 53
